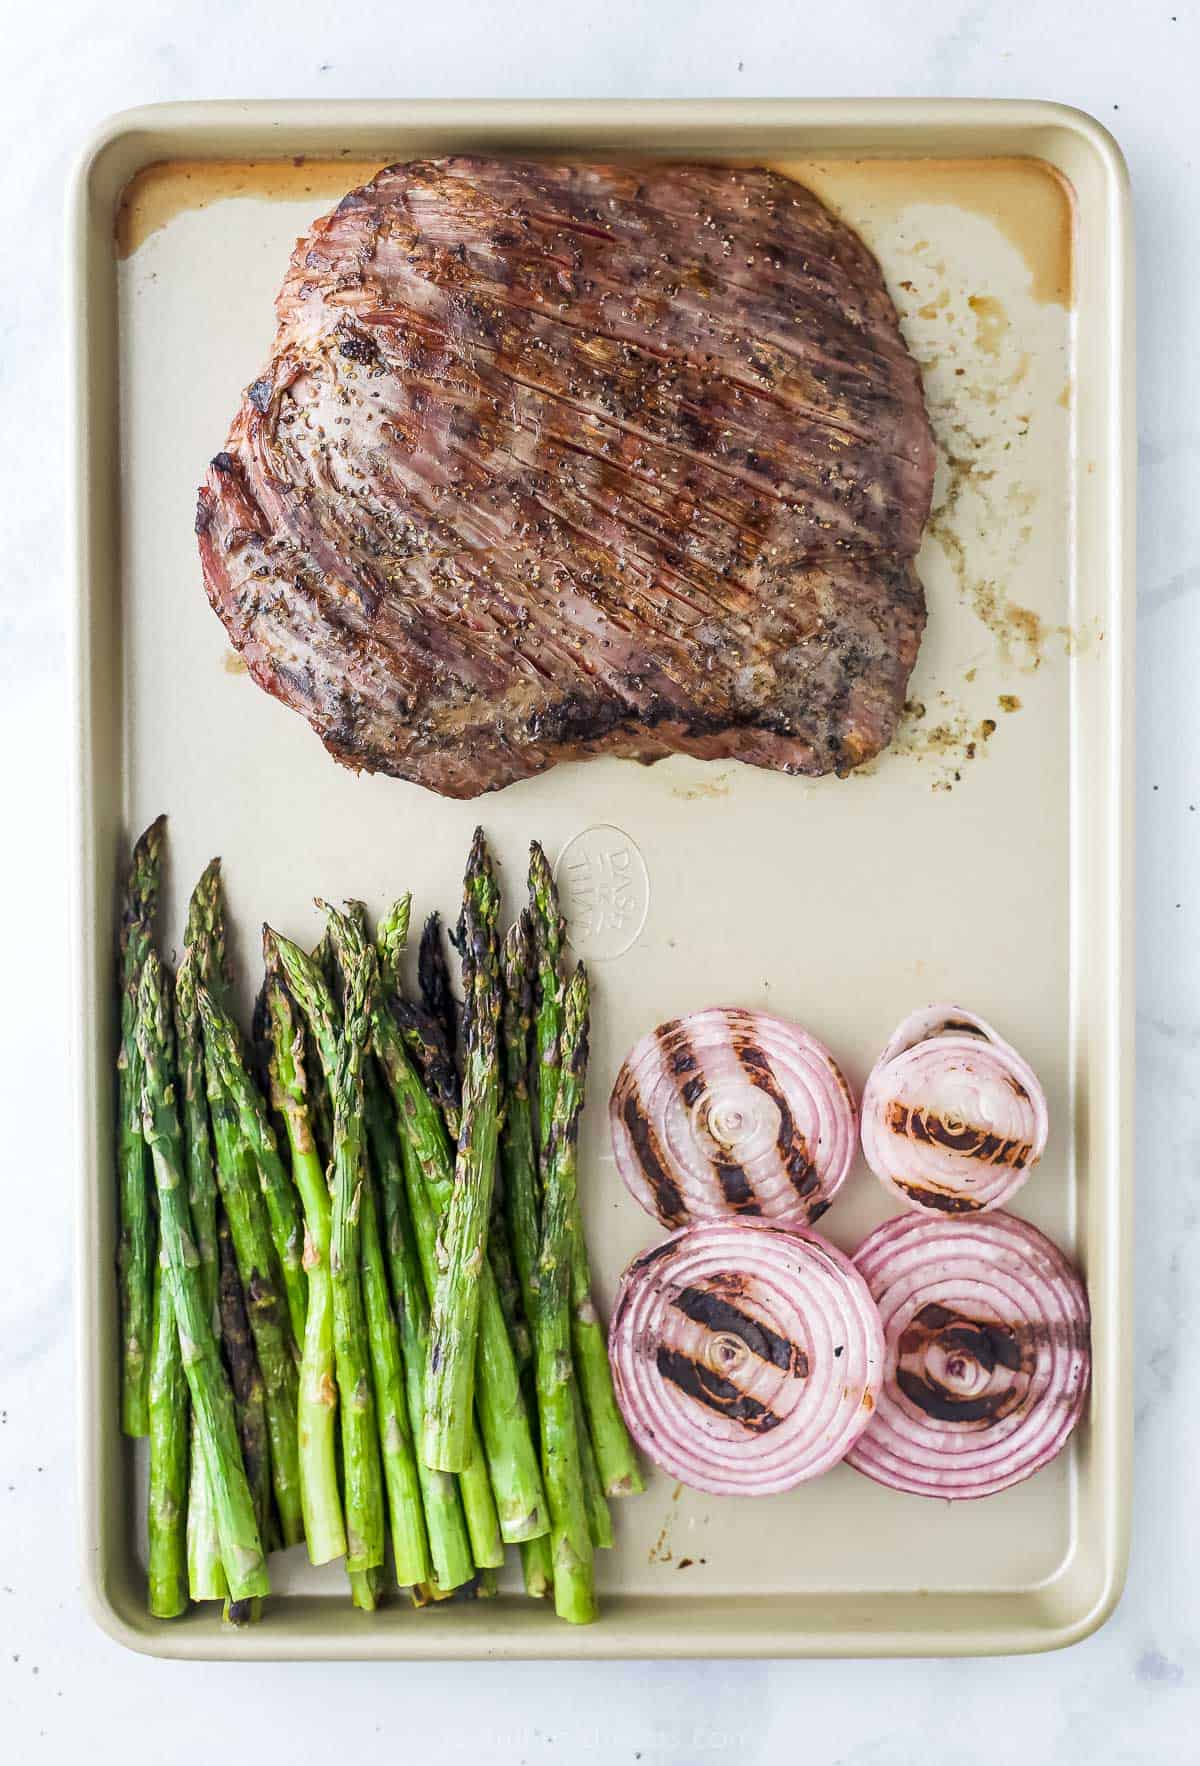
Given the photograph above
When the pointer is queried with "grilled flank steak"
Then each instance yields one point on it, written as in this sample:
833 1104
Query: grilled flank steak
551 461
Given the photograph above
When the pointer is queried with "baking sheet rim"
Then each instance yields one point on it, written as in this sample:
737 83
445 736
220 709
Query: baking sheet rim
203 125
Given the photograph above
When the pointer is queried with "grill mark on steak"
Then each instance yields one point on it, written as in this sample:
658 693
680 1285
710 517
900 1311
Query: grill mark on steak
551 461
704 385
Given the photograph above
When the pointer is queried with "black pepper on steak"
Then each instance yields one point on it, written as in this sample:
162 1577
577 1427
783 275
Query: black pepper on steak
551 461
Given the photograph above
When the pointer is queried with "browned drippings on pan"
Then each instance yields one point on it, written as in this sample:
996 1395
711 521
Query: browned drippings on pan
171 187
944 734
1025 198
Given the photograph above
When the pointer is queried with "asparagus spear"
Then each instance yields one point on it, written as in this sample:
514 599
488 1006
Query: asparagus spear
475 1484
238 1184
249 1396
574 1588
433 1058
316 1001
502 1257
319 1105
449 1545
433 977
518 1154
167 1514
206 1577
547 933
391 942
599 1514
518 1169
518 1164
366 1587
197 1144
360 1442
430 1038
207 956
406 1512
317 1414
342 1054
410 1545
535 1554
325 957
450 1371
206 933
206 1573
245 1377
520 1240
320 1114
212 1400
615 1456
511 1457
221 1044
136 1244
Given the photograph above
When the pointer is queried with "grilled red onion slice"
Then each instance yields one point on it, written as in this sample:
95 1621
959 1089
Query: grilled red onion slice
987 1329
952 1117
938 1020
746 1358
730 1112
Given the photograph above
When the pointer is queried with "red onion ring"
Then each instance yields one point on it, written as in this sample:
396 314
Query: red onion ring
937 1020
746 1358
988 1354
953 1118
731 1112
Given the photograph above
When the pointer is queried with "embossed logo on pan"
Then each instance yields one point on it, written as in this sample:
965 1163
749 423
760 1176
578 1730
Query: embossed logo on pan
605 891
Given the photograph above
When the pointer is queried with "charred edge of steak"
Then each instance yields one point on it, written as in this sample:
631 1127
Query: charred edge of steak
678 391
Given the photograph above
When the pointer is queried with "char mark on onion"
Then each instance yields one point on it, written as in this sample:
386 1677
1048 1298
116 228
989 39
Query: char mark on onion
729 1112
953 1118
746 1357
988 1357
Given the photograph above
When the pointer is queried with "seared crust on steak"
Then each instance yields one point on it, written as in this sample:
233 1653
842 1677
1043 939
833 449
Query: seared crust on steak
554 460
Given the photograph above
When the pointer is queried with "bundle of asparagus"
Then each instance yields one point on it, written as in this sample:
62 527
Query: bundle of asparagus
355 1297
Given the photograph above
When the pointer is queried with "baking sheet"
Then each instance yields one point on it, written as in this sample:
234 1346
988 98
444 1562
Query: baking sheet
980 859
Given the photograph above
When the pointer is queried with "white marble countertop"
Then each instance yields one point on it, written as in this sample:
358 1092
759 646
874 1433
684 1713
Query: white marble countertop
1131 1693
